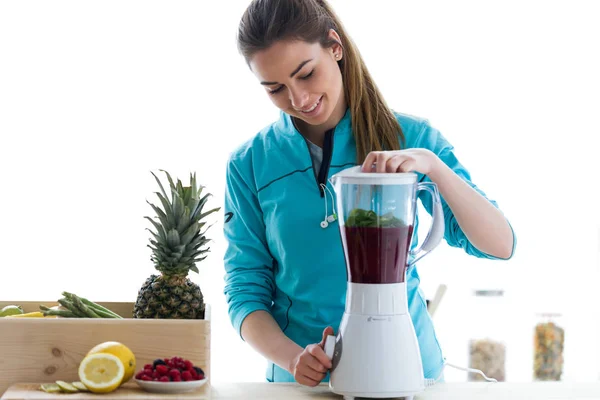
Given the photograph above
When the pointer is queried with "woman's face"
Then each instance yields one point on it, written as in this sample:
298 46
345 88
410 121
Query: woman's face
303 79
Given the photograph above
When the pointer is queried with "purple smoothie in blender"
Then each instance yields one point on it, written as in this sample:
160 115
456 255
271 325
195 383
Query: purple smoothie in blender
376 254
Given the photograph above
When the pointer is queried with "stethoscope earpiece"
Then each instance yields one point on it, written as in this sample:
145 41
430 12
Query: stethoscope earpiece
324 224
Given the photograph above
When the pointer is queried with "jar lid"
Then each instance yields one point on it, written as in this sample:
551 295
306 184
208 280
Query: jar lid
548 314
488 292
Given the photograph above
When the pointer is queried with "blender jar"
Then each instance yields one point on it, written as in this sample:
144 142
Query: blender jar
377 216
487 348
548 346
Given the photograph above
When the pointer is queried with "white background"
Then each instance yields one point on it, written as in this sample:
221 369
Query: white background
95 95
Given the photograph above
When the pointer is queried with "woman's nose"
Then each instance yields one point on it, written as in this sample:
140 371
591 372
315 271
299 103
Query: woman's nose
299 98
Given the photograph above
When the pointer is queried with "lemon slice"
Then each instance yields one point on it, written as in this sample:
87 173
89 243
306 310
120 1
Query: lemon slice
101 373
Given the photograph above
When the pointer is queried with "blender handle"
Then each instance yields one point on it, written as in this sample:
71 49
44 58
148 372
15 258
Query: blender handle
436 230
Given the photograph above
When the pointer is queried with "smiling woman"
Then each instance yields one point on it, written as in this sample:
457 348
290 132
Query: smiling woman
304 81
285 280
313 71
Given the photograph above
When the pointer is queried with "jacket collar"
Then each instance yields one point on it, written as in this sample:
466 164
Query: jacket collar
285 125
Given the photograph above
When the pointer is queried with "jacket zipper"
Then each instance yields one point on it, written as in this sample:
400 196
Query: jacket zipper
326 163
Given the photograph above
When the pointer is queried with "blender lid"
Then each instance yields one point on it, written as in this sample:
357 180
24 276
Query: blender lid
354 175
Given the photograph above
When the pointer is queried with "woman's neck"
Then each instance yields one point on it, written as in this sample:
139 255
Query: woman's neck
316 133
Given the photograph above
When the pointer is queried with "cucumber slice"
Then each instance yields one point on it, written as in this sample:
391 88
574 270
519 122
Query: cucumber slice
80 386
66 387
50 388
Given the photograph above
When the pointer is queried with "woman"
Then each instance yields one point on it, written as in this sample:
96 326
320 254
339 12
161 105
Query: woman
285 277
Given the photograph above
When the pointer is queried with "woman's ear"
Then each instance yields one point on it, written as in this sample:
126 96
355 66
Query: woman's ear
337 50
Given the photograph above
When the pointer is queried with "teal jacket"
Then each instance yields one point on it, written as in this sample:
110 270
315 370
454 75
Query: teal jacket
278 257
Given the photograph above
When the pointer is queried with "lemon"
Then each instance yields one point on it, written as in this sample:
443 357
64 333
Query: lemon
122 352
101 373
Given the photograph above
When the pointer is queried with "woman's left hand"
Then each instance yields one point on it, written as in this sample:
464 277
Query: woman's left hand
418 160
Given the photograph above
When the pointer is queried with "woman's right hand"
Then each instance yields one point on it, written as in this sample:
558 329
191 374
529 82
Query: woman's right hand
311 365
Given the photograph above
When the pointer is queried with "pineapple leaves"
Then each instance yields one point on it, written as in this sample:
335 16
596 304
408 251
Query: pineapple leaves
161 215
173 238
167 208
187 195
170 181
179 241
159 228
189 234
162 189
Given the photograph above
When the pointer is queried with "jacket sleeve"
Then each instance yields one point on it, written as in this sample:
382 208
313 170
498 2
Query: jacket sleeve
249 281
430 138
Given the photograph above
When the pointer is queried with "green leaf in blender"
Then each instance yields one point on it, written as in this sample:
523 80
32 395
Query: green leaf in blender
367 218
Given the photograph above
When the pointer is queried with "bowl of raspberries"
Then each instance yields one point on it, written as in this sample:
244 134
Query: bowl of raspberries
170 375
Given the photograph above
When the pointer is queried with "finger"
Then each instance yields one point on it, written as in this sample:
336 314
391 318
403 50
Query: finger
393 163
326 332
381 161
407 165
367 165
314 364
309 372
319 355
306 381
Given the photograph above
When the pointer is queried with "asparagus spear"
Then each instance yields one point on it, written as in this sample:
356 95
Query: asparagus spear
72 308
59 313
96 307
85 309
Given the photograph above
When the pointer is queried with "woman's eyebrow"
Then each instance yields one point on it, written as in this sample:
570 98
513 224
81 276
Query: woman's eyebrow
292 74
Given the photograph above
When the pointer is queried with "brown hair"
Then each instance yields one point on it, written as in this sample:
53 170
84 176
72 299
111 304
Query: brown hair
264 22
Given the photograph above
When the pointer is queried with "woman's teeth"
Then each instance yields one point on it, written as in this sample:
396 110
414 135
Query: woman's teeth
311 108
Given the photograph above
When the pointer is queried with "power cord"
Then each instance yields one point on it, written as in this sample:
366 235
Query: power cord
431 382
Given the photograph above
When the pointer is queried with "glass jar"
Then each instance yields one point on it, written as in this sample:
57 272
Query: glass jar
487 347
548 347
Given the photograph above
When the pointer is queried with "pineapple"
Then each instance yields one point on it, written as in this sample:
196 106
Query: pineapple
176 247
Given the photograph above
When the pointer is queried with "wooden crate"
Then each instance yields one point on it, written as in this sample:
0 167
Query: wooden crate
50 349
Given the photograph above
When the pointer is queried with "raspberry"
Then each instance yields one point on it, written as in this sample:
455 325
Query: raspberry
162 369
158 362
194 374
174 373
148 371
186 376
156 375
139 374
188 365
164 379
146 378
148 366
177 378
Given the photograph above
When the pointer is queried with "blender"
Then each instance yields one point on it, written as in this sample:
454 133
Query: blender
375 353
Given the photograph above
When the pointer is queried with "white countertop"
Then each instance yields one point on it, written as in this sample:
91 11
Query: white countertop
292 391
446 391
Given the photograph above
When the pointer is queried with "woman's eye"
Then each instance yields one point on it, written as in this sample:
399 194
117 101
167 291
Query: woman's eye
278 89
307 76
